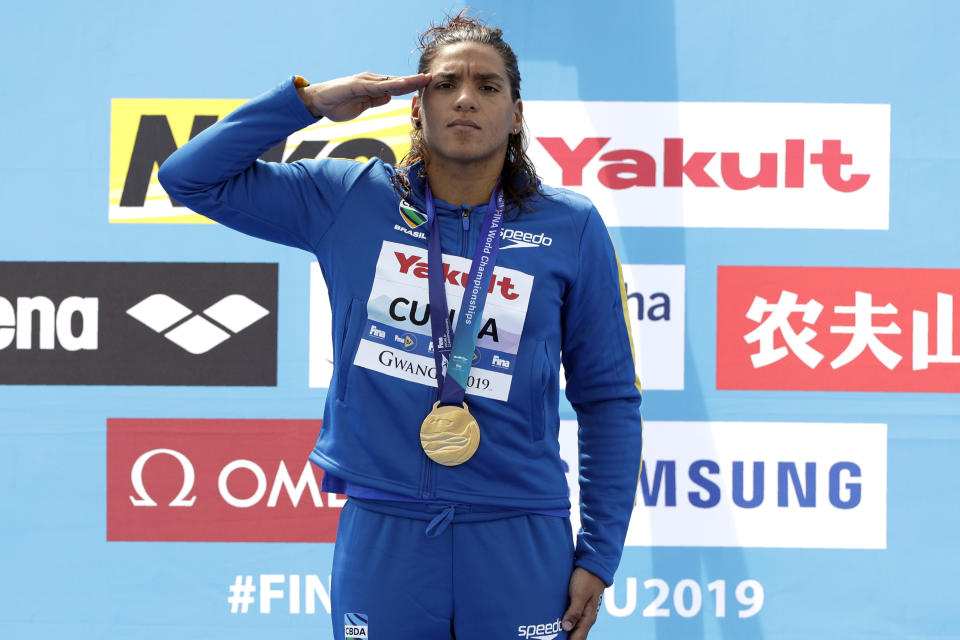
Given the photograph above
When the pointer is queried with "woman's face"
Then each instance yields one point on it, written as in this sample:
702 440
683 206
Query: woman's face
466 111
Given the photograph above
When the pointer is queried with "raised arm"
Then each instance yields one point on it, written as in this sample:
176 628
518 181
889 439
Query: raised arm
218 174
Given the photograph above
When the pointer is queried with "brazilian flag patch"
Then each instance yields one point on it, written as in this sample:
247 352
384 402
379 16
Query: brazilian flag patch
411 216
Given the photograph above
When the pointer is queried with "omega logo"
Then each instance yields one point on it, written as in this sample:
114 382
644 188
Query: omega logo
282 483
136 477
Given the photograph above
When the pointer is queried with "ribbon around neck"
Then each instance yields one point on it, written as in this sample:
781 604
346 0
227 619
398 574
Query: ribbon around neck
453 351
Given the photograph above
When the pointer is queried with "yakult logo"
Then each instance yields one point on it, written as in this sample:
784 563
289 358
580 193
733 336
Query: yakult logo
216 480
720 164
411 263
626 168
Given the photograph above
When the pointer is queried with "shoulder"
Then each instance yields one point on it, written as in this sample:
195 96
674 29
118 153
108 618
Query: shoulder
348 173
576 207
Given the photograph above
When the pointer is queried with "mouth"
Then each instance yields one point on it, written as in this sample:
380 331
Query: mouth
464 124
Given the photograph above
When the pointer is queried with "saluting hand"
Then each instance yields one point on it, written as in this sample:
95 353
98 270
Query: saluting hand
345 98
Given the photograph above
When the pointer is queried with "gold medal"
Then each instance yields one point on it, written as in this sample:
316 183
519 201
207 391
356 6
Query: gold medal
449 435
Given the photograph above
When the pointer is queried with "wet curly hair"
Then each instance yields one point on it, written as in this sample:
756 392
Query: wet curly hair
519 178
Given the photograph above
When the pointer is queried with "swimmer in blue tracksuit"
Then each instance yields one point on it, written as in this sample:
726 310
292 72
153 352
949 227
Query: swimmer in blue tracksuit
468 536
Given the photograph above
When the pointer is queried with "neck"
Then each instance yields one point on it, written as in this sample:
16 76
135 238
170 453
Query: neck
471 183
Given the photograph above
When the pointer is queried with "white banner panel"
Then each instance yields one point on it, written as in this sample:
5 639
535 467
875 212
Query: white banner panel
719 164
655 301
755 484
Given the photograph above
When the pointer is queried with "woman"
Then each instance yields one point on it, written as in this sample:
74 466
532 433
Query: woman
446 441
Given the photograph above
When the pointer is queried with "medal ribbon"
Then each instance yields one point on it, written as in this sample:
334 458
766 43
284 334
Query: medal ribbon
453 354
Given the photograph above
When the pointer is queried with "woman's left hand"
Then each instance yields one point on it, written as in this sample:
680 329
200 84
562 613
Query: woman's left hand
586 590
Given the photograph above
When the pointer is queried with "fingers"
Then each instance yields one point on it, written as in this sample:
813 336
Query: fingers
578 621
378 101
585 592
394 85
574 612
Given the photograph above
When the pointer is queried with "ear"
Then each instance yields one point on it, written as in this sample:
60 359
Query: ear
518 114
415 111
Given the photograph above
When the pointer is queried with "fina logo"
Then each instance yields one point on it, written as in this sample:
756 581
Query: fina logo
500 362
524 239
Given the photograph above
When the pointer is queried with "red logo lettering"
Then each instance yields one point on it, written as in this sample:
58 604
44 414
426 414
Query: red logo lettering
626 168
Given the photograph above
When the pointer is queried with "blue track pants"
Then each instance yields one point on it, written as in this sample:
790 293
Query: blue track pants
431 572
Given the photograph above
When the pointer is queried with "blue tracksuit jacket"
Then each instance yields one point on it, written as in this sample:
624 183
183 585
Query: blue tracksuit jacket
556 296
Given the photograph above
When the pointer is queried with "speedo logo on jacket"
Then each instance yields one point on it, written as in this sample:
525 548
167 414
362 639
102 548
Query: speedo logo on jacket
523 239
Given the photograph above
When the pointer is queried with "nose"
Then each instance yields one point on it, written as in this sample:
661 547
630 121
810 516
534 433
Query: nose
466 99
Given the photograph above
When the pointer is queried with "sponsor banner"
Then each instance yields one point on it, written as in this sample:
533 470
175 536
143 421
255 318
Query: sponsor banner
755 484
216 481
321 330
702 164
838 329
656 306
689 164
138 323
655 302
144 132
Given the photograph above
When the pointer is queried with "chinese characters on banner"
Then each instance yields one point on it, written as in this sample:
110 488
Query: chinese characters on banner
838 329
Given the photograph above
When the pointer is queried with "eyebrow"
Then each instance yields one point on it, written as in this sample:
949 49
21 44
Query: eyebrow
483 77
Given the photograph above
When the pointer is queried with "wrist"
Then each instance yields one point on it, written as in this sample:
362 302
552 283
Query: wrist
301 85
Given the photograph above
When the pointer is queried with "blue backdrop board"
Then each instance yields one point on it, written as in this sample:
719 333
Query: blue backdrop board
777 178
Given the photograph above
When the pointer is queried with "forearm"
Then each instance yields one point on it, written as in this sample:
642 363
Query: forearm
610 453
233 144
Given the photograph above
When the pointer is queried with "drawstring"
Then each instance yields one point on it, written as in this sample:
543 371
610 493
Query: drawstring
441 521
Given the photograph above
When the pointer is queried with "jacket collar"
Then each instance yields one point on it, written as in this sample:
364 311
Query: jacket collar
417 179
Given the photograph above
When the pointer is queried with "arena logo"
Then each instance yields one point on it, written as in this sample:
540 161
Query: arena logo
813 485
720 164
216 480
200 332
55 323
145 132
834 328
123 323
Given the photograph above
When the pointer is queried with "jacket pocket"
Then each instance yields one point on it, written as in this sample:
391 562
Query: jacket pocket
539 379
349 342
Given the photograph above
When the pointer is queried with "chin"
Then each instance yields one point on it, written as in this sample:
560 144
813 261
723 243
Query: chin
466 154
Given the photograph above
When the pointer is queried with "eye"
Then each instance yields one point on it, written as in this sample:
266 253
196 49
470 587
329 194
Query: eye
489 88
443 85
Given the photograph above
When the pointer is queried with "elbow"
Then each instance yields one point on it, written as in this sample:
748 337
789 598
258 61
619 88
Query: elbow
169 177
173 178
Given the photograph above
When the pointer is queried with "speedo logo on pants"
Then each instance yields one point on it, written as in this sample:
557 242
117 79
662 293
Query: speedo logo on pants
547 631
522 239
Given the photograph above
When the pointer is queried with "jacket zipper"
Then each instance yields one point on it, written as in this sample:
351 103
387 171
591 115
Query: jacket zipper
465 239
